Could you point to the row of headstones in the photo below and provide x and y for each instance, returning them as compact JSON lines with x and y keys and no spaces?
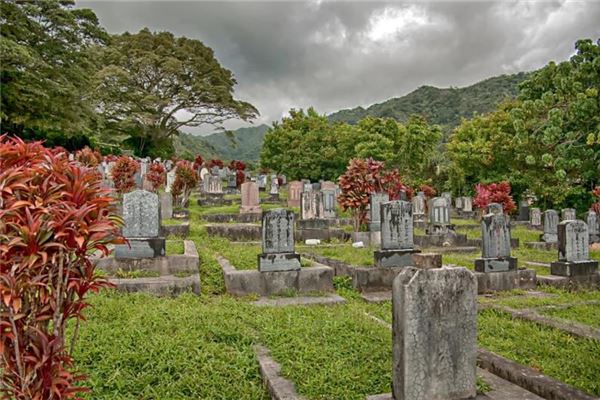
{"x":551,"y":223}
{"x":316,"y":200}
{"x":213,"y":184}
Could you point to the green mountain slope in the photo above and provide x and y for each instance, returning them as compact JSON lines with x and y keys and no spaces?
{"x":440,"y":106}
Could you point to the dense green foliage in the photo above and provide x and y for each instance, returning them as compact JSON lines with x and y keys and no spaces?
{"x":46,"y":70}
{"x":240,"y":144}
{"x":150,"y":80}
{"x":444,"y":107}
{"x":308,"y":145}
{"x":547,"y":141}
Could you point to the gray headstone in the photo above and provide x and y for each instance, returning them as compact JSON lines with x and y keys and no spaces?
{"x":166,"y":206}
{"x":573,"y":241}
{"x":535,"y":216}
{"x":448,"y":197}
{"x":418,"y":206}
{"x":170,"y":180}
{"x":215,"y":185}
{"x":439,"y":211}
{"x":274,"y":185}
{"x":495,"y":235}
{"x":307,"y":187}
{"x":311,"y":205}
{"x":593,"y":226}
{"x":495,"y":208}
{"x":375,"y":201}
{"x":396,"y":225}
{"x":294,"y":193}
{"x":458,"y":203}
{"x":550,"y":226}
{"x":232,"y":180}
{"x":329,"y":202}
{"x":568,"y":214}
{"x":262,"y":181}
{"x":434,"y":334}
{"x":467,"y":204}
{"x":278,"y":231}
{"x":141,"y":214}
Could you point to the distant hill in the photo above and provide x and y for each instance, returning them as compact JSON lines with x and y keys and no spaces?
{"x":445,"y":107}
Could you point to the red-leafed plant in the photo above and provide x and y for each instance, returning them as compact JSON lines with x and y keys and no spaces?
{"x":110,"y":158}
{"x":186,"y":179}
{"x":123,"y":174}
{"x":494,"y":193}
{"x":363,"y":177}
{"x":198,"y":161}
{"x":156,"y":175}
{"x":237,"y":165}
{"x":53,"y":215}
{"x":88,"y":157}
{"x":429,"y":191}
{"x":240,"y":177}
{"x":215,"y":163}
{"x":596,"y":205}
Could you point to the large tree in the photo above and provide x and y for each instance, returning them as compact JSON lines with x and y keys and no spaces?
{"x":154,"y":84}
{"x":46,"y":69}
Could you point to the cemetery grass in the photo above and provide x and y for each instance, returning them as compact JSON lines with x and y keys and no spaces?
{"x":243,"y":255}
{"x":171,"y":222}
{"x":174,"y":247}
{"x":587,"y":314}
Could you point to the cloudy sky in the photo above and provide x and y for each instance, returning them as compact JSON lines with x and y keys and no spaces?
{"x":334,"y":55}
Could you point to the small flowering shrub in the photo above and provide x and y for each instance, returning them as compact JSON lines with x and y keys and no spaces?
{"x":429,"y":191}
{"x":240,"y":177}
{"x":156,"y":175}
{"x":123,"y":174}
{"x":215,"y":163}
{"x":53,"y":215}
{"x":186,"y":179}
{"x":237,"y":165}
{"x":88,"y":157}
{"x":494,"y":193}
{"x":198,"y":161}
{"x":363,"y":177}
{"x":596,"y":205}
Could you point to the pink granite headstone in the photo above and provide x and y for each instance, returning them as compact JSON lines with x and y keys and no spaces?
{"x":294,"y":193}
{"x":250,"y":199}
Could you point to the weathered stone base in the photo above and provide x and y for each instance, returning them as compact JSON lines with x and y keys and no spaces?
{"x":504,"y":281}
{"x":141,"y":248}
{"x":571,"y":283}
{"x":214,"y":199}
{"x":514,"y":243}
{"x":495,"y":264}
{"x":323,"y":234}
{"x":181,"y":214}
{"x":541,"y":245}
{"x":246,"y":282}
{"x":451,"y":238}
{"x":314,"y":224}
{"x":224,"y":218}
{"x":435,"y":229}
{"x":250,"y":210}
{"x":167,"y":265}
{"x":278,"y":262}
{"x":167,"y":285}
{"x":182,"y":230}
{"x":236,"y":232}
{"x":581,"y":268}
{"x":328,"y":299}
{"x":394,"y":258}
{"x":549,"y":237}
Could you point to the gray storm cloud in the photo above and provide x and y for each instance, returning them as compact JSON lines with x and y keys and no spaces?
{"x":334,"y":55}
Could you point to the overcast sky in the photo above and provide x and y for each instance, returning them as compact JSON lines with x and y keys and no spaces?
{"x":334,"y":55}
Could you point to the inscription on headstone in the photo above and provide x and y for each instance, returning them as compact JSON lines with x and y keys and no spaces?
{"x":550,"y":226}
{"x":278,"y":242}
{"x":294,"y":193}
{"x":375,"y":201}
{"x":535,"y":216}
{"x":396,"y":225}
{"x":329,"y":202}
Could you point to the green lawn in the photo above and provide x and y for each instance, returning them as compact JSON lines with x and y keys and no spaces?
{"x":174,"y":247}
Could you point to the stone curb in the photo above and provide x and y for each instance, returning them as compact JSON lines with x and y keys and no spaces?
{"x":279,"y":388}
{"x":328,"y":300}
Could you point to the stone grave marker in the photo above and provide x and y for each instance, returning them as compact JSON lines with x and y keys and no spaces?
{"x":535,"y":217}
{"x":141,"y":214}
{"x":166,"y":206}
{"x":593,"y":226}
{"x":523,"y":210}
{"x":550,"y":234}
{"x":250,"y":198}
{"x":170,"y":180}
{"x":329,"y":202}
{"x":262,"y":182}
{"x":495,"y":208}
{"x":467,"y":204}
{"x":311,"y":205}
{"x":573,"y":250}
{"x":397,"y":243}
{"x":215,"y":186}
{"x":375,"y":200}
{"x":294,"y":193}
{"x":232,"y":180}
{"x":439,"y":217}
{"x":448,"y":197}
{"x":568,"y":214}
{"x":434,"y":337}
{"x":458,"y":203}
{"x":418,"y":206}
{"x":495,"y":241}
{"x":274,"y":190}
{"x":278,"y":242}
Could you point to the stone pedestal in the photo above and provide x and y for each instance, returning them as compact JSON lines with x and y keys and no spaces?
{"x":141,"y":248}
{"x":314,"y":224}
{"x":500,"y":264}
{"x":394,"y":258}
{"x":278,"y":262}
{"x":439,"y":229}
{"x":573,"y":268}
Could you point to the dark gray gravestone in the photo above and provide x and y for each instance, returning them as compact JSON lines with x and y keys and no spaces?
{"x":232,"y":180}
{"x":523,"y":210}
{"x":550,"y":234}
{"x":278,"y":242}
{"x":329,"y":202}
{"x":434,"y":334}
{"x":495,"y":240}
{"x":397,"y":245}
{"x":418,"y":206}
{"x":311,"y":205}
{"x":375,"y":201}
{"x":568,"y":214}
{"x":593,"y":226}
{"x":535,"y":217}
{"x":573,"y":250}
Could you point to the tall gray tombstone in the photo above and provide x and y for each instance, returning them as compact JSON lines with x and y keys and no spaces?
{"x":439,"y":216}
{"x":274,"y":190}
{"x":329,"y":202}
{"x":262,"y":182}
{"x":214,"y":184}
{"x":278,"y":242}
{"x":535,"y":217}
{"x":573,"y":250}
{"x":568,"y":214}
{"x":434,"y":338}
{"x":593,"y":226}
{"x":375,"y":201}
{"x":523,"y":210}
{"x":495,"y":208}
{"x":166,"y":206}
{"x":458,"y":203}
{"x":467,"y":204}
{"x":170,"y":180}
{"x":495,"y":241}
{"x":550,"y":234}
{"x":397,"y":244}
{"x":311,"y":205}
{"x":294,"y":193}
{"x":418,"y":207}
{"x":232,"y":180}
{"x":141,"y":214}
{"x":448,"y":197}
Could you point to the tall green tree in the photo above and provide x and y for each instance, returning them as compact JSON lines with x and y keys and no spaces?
{"x":154,"y":84}
{"x":46,"y":68}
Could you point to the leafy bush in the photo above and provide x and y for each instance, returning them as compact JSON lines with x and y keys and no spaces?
{"x":54,"y":213}
{"x":596,"y":205}
{"x":198,"y":161}
{"x":215,"y":163}
{"x":237,"y":165}
{"x":88,"y":157}
{"x":494,"y":193}
{"x":186,"y":180}
{"x":156,"y":175}
{"x":429,"y":191}
{"x":123,"y":174}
